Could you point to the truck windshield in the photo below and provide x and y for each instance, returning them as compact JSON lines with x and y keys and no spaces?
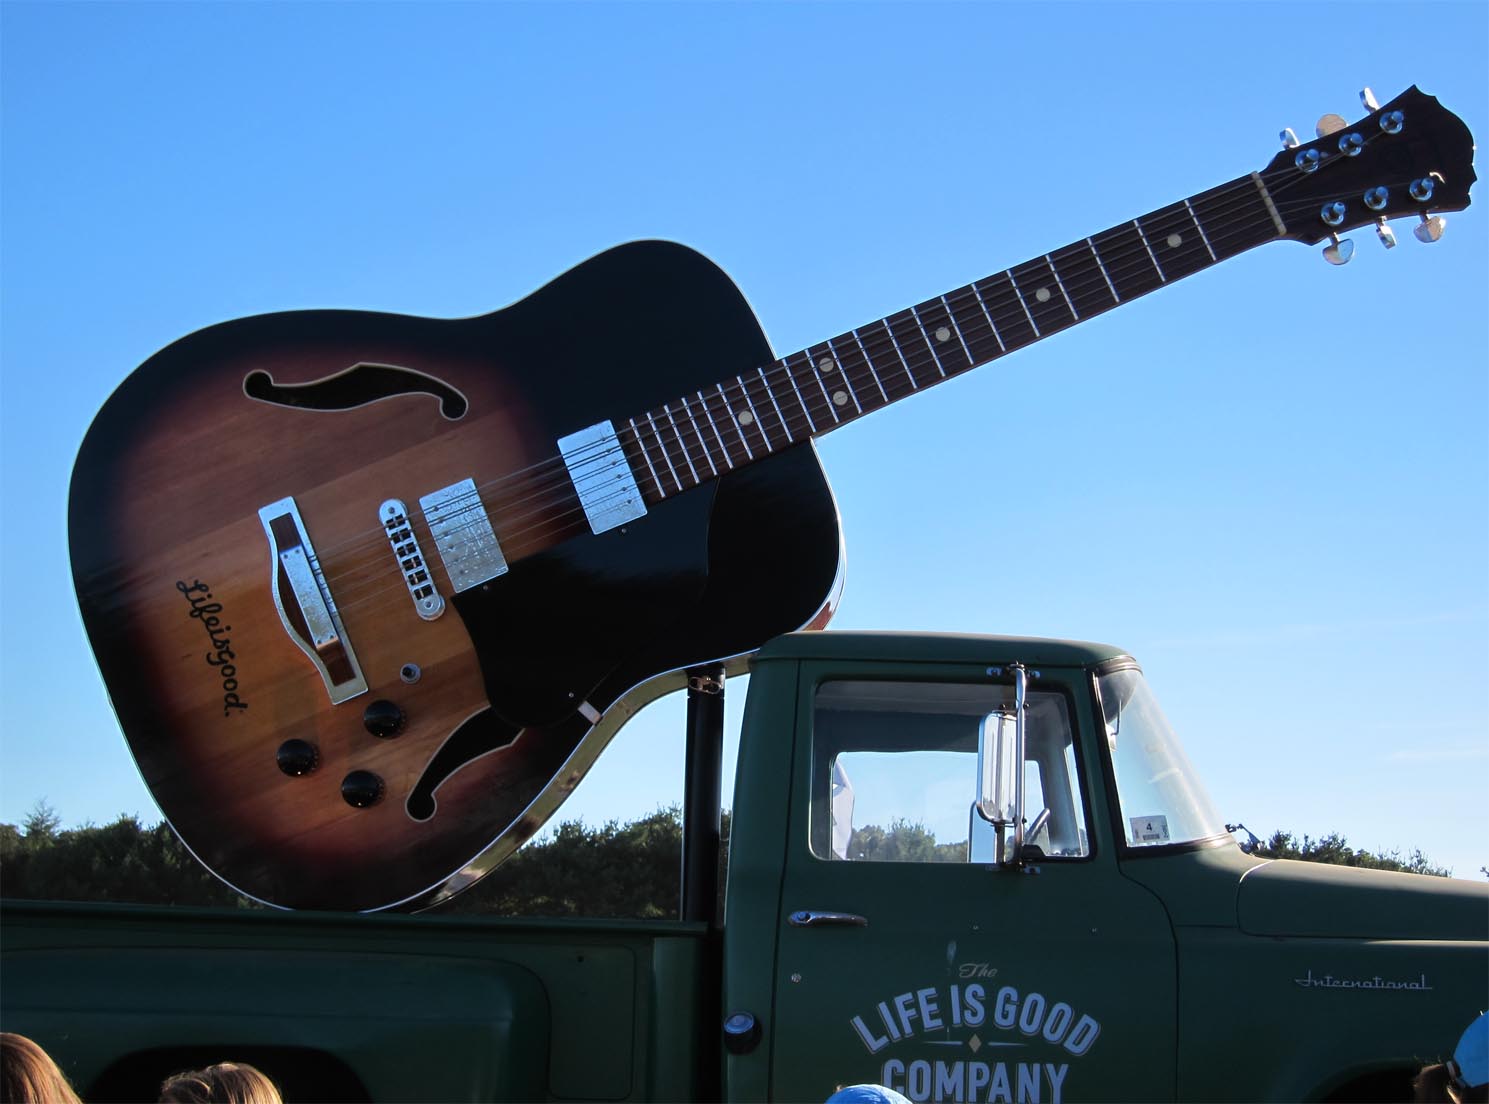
{"x":1161,"y":796}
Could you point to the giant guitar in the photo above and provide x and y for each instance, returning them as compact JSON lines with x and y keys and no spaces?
{"x":371,"y":592}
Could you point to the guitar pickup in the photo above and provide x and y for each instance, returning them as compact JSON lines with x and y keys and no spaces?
{"x":304,"y":602}
{"x":427,"y":601}
{"x":462,"y":532}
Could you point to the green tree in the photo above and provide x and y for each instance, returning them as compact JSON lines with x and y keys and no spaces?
{"x":1335,"y":849}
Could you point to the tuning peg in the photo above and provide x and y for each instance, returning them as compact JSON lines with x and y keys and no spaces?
{"x":1329,"y":124}
{"x":1386,"y":235}
{"x":1289,"y":139}
{"x":1340,"y":251}
{"x":1431,"y":227}
{"x":1367,"y":98}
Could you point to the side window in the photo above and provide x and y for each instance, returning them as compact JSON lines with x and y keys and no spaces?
{"x":895,"y":772}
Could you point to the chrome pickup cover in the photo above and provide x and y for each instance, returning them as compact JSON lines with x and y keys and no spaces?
{"x":462,"y":533}
{"x":602,"y":477}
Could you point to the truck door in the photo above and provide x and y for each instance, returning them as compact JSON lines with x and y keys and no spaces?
{"x":907,"y":957}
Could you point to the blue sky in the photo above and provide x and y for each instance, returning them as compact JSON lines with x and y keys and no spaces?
{"x":1270,"y":483}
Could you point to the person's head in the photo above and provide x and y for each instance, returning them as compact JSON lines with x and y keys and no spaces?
{"x":29,"y":1076}
{"x":1463,"y":1078}
{"x":224,"y":1083}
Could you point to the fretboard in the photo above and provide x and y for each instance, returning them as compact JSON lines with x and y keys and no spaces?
{"x":695,"y":438}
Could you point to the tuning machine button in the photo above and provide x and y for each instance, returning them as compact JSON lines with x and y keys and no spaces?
{"x":1430,"y":228}
{"x":361,"y":789}
{"x":1329,"y":124}
{"x":297,"y":757}
{"x":1288,"y":139}
{"x":383,"y":719}
{"x":1340,"y":251}
{"x":1367,"y":98}
{"x":1384,"y":232}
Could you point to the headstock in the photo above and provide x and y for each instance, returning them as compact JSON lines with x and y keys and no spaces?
{"x":1410,"y":157}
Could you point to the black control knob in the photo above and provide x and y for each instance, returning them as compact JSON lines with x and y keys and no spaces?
{"x":297,"y":757}
{"x":383,"y":719}
{"x":361,"y":789}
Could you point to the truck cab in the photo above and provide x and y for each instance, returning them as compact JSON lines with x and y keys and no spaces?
{"x":1125,"y":948}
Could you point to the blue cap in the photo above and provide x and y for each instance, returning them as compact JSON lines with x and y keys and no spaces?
{"x":866,"y":1094}
{"x":1471,"y":1056}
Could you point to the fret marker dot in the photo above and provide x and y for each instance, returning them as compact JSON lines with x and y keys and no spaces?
{"x":1043,"y":295}
{"x":943,"y":334}
{"x":746,"y":419}
{"x":1175,"y":240}
{"x":840,"y":398}
{"x":826,"y":364}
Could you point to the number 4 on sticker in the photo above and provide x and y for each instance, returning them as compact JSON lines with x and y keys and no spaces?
{"x":1149,"y":829}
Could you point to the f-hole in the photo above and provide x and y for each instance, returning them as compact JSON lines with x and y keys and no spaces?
{"x":355,"y":386}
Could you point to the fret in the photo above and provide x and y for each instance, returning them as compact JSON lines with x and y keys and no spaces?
{"x":733,"y":420}
{"x":662,"y":448}
{"x":1126,"y":261}
{"x":698,"y":435}
{"x":809,"y":393}
{"x":1084,"y":284}
{"x":682,"y":443}
{"x":1236,"y":217}
{"x":960,"y":336}
{"x":715,"y":427}
{"x":1013,"y":321}
{"x":1175,"y":243}
{"x":770,"y":392}
{"x":899,"y":353}
{"x":973,"y":325}
{"x":993,"y":326}
{"x":929,"y":343}
{"x":833,"y":375}
{"x":1095,"y":256}
{"x":641,"y":448}
{"x":1147,"y":245}
{"x":1203,"y":236}
{"x":749,"y":418}
{"x":1042,"y":298}
{"x":869,"y":361}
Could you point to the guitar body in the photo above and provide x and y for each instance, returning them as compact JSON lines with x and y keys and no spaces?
{"x":499,"y":705}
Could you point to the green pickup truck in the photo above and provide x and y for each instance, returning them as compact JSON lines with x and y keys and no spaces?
{"x":966,"y":867}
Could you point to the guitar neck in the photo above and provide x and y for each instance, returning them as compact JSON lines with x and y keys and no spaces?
{"x":695,"y":438}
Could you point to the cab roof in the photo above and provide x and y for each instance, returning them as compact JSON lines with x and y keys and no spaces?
{"x":932,"y":647}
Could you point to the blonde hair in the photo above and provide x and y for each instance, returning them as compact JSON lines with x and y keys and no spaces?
{"x":224,"y":1083}
{"x":29,"y":1076}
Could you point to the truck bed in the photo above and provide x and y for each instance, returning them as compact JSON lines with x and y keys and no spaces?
{"x":398,"y":1007}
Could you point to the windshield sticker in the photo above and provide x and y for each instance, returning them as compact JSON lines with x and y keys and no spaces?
{"x":1149,"y":829}
{"x":983,"y":1023}
{"x":1329,"y":981}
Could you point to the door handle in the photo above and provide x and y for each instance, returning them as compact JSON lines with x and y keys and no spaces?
{"x":821,"y":918}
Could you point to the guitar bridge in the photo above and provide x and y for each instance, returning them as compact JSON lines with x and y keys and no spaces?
{"x":304,"y":602}
{"x":427,"y":601}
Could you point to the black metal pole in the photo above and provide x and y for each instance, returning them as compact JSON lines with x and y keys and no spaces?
{"x":701,"y":800}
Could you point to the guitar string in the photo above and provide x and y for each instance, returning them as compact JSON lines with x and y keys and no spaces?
{"x":879,"y":345}
{"x":1214,"y":227}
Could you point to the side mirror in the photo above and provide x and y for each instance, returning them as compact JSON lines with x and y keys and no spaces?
{"x":1000,"y":769}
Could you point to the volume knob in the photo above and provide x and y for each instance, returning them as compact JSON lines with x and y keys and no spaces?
{"x":383,"y":719}
{"x":361,"y":788}
{"x":297,"y":757}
